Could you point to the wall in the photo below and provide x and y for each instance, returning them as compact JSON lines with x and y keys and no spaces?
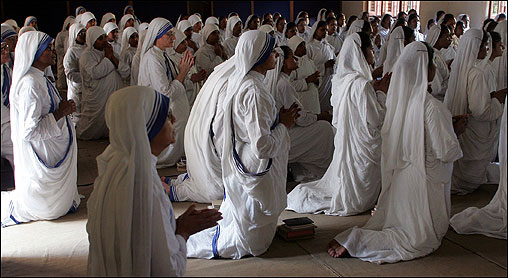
{"x":350,"y":8}
{"x":475,"y":9}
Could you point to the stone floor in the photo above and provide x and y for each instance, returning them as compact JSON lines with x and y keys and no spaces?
{"x":60,"y":247}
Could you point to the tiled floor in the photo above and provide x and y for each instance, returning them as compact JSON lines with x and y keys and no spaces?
{"x":60,"y":248}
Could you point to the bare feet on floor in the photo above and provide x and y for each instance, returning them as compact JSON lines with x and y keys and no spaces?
{"x":336,"y":250}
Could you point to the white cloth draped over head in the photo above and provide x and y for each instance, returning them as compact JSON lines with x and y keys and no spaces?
{"x":137,"y":57}
{"x":294,"y":42}
{"x":126,"y":8}
{"x":433,"y":35}
{"x":158,"y":27}
{"x":25,"y":29}
{"x":69,"y":20}
{"x":8,"y":31}
{"x":13,"y":24}
{"x":143,"y":26}
{"x":124,"y":20}
{"x":355,"y":27}
{"x":79,"y":9}
{"x":321,"y":16}
{"x":232,"y":21}
{"x":92,"y":34}
{"x":299,"y":15}
{"x":184,"y":25}
{"x":110,"y":26}
{"x":394,"y":48}
{"x":212,"y":20}
{"x":73,"y":33}
{"x":207,"y":31}
{"x":467,"y":53}
{"x":179,"y":38}
{"x":491,"y":219}
{"x":403,"y":129}
{"x":500,"y":63}
{"x":267,"y":28}
{"x":126,"y":35}
{"x":125,"y":191}
{"x":246,"y":27}
{"x":86,"y":17}
{"x":193,"y":19}
{"x":29,"y":19}
{"x":106,"y":18}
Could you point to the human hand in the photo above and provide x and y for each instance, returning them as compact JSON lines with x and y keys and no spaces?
{"x":312,"y":78}
{"x":377,"y":72}
{"x":193,"y":221}
{"x":199,"y":76}
{"x":500,"y":95}
{"x":66,"y":107}
{"x":108,"y":51}
{"x":459,"y":123}
{"x":383,"y":84}
{"x":166,"y":186}
{"x":186,"y":62}
{"x":288,"y":117}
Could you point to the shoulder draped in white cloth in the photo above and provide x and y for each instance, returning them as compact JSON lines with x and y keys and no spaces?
{"x":393,"y":49}
{"x":131,"y":223}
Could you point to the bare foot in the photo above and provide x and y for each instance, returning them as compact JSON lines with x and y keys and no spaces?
{"x":336,"y":250}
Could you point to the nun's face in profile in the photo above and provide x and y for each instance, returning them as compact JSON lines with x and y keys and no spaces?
{"x":48,"y":56}
{"x":237,"y":29}
{"x":197,"y":27}
{"x":33,"y":24}
{"x":133,"y":40}
{"x":271,"y":62}
{"x":165,"y":137}
{"x":129,"y":23}
{"x":254,"y":23}
{"x":91,"y":23}
{"x":81,"y":38}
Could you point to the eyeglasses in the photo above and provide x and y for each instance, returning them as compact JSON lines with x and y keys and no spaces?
{"x":5,"y":46}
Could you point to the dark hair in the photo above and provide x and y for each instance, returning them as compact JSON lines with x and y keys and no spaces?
{"x":375,"y":19}
{"x":501,"y":15}
{"x":321,"y":24}
{"x":485,"y":37}
{"x":496,"y":37}
{"x":459,"y":23}
{"x":411,"y":17}
{"x":266,"y":15}
{"x":439,"y":14}
{"x":350,"y":21}
{"x":399,"y":22}
{"x":443,"y":30}
{"x":328,"y":11}
{"x":385,"y":16}
{"x":411,"y":11}
{"x":221,"y":18}
{"x":279,"y":19}
{"x":366,"y":26}
{"x":266,"y":21}
{"x":430,"y":21}
{"x":408,"y":32}
{"x":430,"y":52}
{"x":492,"y":24}
{"x":300,"y":19}
{"x":447,"y":17}
{"x":286,"y":51}
{"x":401,"y":15}
{"x":365,"y":13}
{"x":329,"y":19}
{"x":290,"y":25}
{"x":340,"y":15}
{"x":276,"y":13}
{"x":365,"y":40}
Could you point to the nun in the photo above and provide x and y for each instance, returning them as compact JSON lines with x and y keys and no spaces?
{"x":186,"y":27}
{"x":6,"y":87}
{"x":253,"y":154}
{"x":98,"y":68}
{"x":418,"y":148}
{"x":137,"y":57}
{"x":44,"y":141}
{"x":77,"y":44}
{"x":439,"y":37}
{"x":87,"y":19}
{"x":61,"y":45}
{"x":233,"y":32}
{"x":252,"y":23}
{"x":129,"y":46}
{"x":399,"y":38}
{"x":211,"y":53}
{"x":157,"y":71}
{"x":128,"y":195}
{"x":111,"y":30}
{"x":352,"y":183}
{"x":130,"y":10}
{"x":108,"y":17}
{"x":332,"y":36}
{"x":31,"y":21}
{"x":197,"y":25}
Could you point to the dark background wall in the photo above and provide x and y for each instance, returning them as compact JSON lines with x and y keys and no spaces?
{"x":51,"y":14}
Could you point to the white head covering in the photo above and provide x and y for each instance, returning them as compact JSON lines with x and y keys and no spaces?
{"x":31,"y":46}
{"x":267,"y":28}
{"x":403,"y":130}
{"x":73,"y":33}
{"x":394,"y":48}
{"x":272,"y":76}
{"x":8,"y":31}
{"x":231,"y":14}
{"x":143,"y":26}
{"x":184,"y":25}
{"x":107,"y":17}
{"x":355,"y":27}
{"x":193,"y":19}
{"x":212,"y":20}
{"x":25,"y":29}
{"x":246,"y":27}
{"x":179,"y":38}
{"x":501,"y":62}
{"x":460,"y":17}
{"x":84,"y":18}
{"x":294,"y":42}
{"x":13,"y":24}
{"x":79,"y":9}
{"x":126,"y":8}
{"x":299,"y":15}
{"x":123,"y":194}
{"x":124,"y":20}
{"x":68,"y":20}
{"x":29,"y":19}
{"x":126,"y":35}
{"x":232,"y":21}
{"x":433,"y":35}
{"x":110,"y":26}
{"x":465,"y":59}
{"x":207,"y":31}
{"x":321,"y":15}
{"x":158,"y":27}
{"x":92,"y":34}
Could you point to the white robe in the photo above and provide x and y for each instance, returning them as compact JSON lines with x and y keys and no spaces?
{"x":479,"y":141}
{"x":100,"y":79}
{"x":279,"y":38}
{"x":412,"y":216}
{"x":124,"y":65}
{"x":440,"y":83}
{"x":229,"y":45}
{"x":491,"y":219}
{"x":60,"y":47}
{"x":313,"y":153}
{"x":191,"y":88}
{"x":252,"y":204}
{"x":73,"y":76}
{"x":135,"y":68}
{"x":6,"y":122}
{"x":336,"y":41}
{"x":196,"y":38}
{"x":45,"y":151}
{"x":352,"y":183}
{"x":307,"y":93}
{"x":153,"y":73}
{"x":207,"y":59}
{"x":320,"y":52}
